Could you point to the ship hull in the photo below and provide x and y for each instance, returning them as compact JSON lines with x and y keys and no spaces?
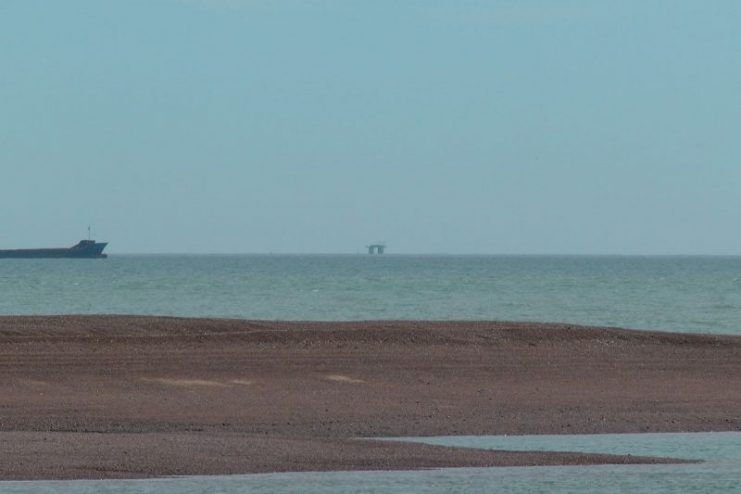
{"x":85,"y":249}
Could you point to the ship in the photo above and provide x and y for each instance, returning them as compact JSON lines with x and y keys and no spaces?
{"x":84,"y":249}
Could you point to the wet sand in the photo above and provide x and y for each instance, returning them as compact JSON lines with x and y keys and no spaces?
{"x":125,"y":396}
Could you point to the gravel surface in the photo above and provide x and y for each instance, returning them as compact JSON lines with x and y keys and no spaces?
{"x":128,"y":396}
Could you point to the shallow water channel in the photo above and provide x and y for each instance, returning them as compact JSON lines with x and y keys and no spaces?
{"x":719,"y":472}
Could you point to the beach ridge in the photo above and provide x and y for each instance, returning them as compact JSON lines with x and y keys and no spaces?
{"x":141,"y":396}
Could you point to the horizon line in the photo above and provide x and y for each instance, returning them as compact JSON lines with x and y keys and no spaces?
{"x":393,"y":254}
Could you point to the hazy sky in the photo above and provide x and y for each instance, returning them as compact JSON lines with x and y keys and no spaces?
{"x":320,"y":126}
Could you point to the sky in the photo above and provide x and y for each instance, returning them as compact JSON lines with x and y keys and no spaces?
{"x":319,"y":126}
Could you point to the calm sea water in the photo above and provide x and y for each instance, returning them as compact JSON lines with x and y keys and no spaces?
{"x":700,"y":294}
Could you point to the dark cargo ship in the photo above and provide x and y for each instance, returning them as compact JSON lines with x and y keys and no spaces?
{"x":84,"y":249}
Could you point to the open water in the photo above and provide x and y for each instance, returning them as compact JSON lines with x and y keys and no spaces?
{"x":699,"y":294}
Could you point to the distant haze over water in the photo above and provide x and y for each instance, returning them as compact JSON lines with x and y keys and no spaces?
{"x":699,"y":294}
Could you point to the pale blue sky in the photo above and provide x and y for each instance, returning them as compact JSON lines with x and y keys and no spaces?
{"x":564,"y":127}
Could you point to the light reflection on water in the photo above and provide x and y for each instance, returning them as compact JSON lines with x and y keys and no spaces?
{"x":721,"y":472}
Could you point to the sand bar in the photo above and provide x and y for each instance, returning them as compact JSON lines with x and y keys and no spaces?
{"x":125,"y":396}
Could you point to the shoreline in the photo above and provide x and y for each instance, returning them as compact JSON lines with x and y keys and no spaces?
{"x":140,"y":396}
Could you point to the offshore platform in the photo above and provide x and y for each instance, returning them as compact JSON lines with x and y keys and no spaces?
{"x":376,"y":248}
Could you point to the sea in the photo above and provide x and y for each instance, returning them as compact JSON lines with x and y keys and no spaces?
{"x":688,"y":294}
{"x":666,"y":293}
